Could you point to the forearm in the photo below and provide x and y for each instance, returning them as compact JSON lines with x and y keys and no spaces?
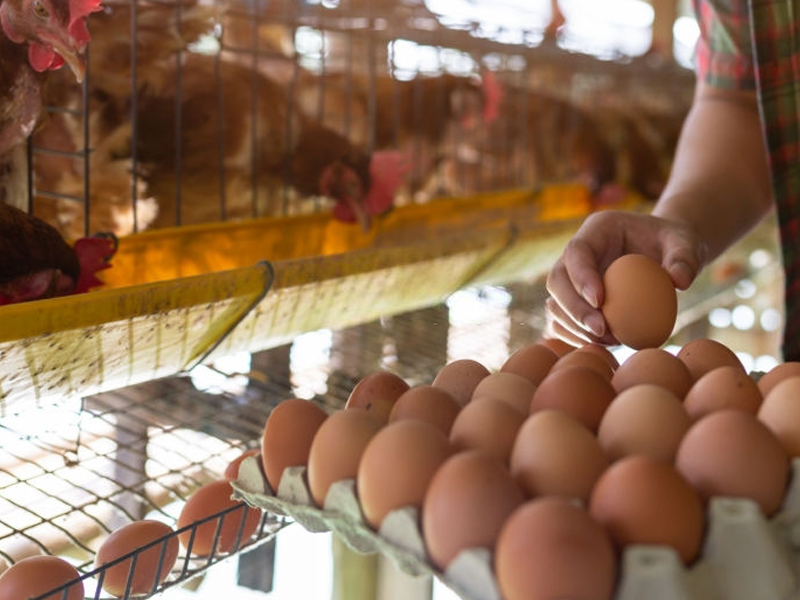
{"x":719,"y":184}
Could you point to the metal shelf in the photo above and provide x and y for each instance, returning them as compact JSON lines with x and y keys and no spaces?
{"x":75,"y":470}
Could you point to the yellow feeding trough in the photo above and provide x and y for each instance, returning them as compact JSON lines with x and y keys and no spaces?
{"x":177,"y":297}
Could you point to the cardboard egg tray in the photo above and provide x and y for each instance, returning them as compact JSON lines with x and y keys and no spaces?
{"x":745,"y":555}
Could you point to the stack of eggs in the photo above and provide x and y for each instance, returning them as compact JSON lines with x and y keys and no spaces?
{"x":558,"y":461}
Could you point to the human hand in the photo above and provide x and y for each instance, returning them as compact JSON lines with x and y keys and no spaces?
{"x":575,"y":283}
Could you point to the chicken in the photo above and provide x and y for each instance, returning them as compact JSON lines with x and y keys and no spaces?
{"x":240,"y":159}
{"x":425,"y":117}
{"x":36,"y":36}
{"x":539,"y":139}
{"x":61,"y":185}
{"x":37,"y":263}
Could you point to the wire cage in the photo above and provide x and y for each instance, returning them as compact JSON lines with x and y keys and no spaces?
{"x":195,"y":111}
{"x":74,"y":472}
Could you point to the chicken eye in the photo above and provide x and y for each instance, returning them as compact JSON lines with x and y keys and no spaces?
{"x":40,"y":10}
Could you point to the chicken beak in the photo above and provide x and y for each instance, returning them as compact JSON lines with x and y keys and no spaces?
{"x":75,"y":60}
{"x":362,"y":216}
{"x":71,"y":52}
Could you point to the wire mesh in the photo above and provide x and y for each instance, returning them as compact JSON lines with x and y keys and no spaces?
{"x":73,"y":472}
{"x":204,"y":110}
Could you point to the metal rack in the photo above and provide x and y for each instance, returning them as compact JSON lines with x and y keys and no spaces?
{"x":74,"y":471}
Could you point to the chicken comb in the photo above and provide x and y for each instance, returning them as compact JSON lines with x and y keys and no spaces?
{"x":387,"y":169}
{"x":94,"y":254}
{"x":492,"y":95}
{"x":78,"y":11}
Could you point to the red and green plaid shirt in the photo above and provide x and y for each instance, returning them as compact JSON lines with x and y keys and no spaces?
{"x":755,"y":44}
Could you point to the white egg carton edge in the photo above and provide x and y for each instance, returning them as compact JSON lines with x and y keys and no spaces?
{"x":745,"y":555}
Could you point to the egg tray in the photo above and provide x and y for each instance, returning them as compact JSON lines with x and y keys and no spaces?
{"x":745,"y":555}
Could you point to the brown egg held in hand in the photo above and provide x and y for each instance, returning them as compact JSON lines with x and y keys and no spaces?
{"x":640,"y":304}
{"x":515,"y":390}
{"x":337,"y":449}
{"x":731,"y":453}
{"x":532,"y":362}
{"x":644,"y":419}
{"x":556,"y":455}
{"x":724,"y":387}
{"x":31,"y":577}
{"x":580,"y":391}
{"x":656,"y":366}
{"x":146,"y":575}
{"x":641,"y":500}
{"x":397,"y":466}
{"x":287,"y":437}
{"x":376,"y":393}
{"x":207,"y":501}
{"x":702,"y":355}
{"x":780,"y":412}
{"x":459,"y":378}
{"x":550,"y":549}
{"x":426,"y":403}
{"x":487,"y":425}
{"x":468,"y":500}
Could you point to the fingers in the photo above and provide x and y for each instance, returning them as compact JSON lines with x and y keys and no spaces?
{"x":575,"y":282}
{"x":683,"y":256}
{"x":565,"y":327}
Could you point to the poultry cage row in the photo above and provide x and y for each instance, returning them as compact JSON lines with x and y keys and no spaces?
{"x":273,"y":168}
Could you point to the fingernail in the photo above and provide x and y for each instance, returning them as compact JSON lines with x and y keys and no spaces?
{"x":595,"y":324}
{"x":681,"y":273}
{"x":591,"y":297}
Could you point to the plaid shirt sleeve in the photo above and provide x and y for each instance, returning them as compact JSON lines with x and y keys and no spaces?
{"x":724,"y":55}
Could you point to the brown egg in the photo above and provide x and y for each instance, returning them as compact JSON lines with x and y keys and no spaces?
{"x":376,"y":393}
{"x":656,"y":366}
{"x":644,"y":419}
{"x":459,"y":378}
{"x":515,"y":390}
{"x":580,"y":391}
{"x":703,"y":355}
{"x":731,"y":453}
{"x":232,"y":470}
{"x":641,"y":303}
{"x":206,"y":502}
{"x":31,"y":577}
{"x":427,"y":403}
{"x":780,"y":412}
{"x":468,"y":500}
{"x":642,"y":500}
{"x":550,"y":549}
{"x":397,"y":466}
{"x":532,"y":362}
{"x":290,"y":428}
{"x":603,"y":353}
{"x":584,"y":358}
{"x":554,"y":454}
{"x":777,"y":374}
{"x":146,"y":575}
{"x":723,"y":387}
{"x":560,"y":347}
{"x":337,"y":449}
{"x":487,"y":425}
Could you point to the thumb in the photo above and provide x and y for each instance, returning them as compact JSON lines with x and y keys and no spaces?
{"x":683,"y":266}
